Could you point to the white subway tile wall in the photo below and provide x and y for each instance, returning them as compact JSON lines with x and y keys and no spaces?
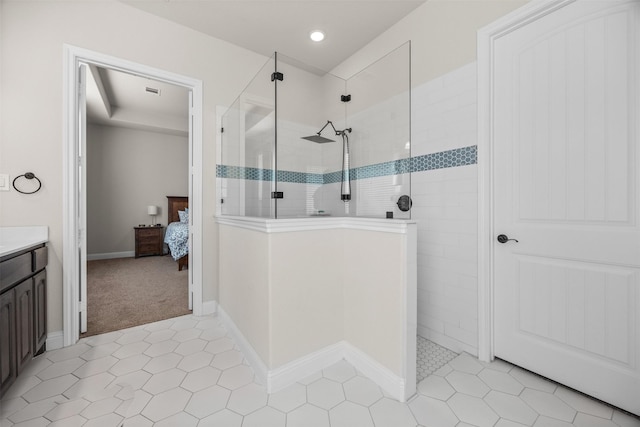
{"x":445,"y":207}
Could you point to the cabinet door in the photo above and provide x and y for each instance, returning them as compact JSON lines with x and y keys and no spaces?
{"x":24,"y":323}
{"x":39,"y":311}
{"x":8,"y":371}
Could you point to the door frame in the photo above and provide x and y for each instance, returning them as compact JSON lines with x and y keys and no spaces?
{"x":487,"y":37}
{"x":70,"y":273}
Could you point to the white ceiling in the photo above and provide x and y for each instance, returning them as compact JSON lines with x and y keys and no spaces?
{"x":115,"y":98}
{"x":262,"y":26}
{"x":267,"y":26}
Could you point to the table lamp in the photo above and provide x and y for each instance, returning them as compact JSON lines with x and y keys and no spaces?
{"x":153,"y":211}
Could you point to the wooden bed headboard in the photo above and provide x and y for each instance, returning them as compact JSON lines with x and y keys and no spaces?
{"x":175,"y":204}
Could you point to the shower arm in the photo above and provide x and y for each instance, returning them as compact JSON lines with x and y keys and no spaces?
{"x":338,"y":132}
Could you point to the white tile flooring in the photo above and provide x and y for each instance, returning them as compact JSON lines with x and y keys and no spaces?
{"x":188,"y":372}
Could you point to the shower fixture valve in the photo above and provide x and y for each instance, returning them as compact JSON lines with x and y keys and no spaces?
{"x":404,"y":203}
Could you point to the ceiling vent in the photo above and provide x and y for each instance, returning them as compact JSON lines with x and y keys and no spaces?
{"x":152,"y":90}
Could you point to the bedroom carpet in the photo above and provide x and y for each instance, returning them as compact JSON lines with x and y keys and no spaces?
{"x":127,"y":292}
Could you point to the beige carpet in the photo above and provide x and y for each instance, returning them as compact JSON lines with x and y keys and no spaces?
{"x":127,"y":292}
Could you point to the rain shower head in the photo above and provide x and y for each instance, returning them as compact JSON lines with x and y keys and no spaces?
{"x":321,"y":139}
{"x":318,"y":139}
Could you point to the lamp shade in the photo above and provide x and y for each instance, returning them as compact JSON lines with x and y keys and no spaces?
{"x":152,"y":210}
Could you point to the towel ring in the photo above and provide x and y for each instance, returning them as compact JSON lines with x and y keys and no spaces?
{"x":29,"y":176}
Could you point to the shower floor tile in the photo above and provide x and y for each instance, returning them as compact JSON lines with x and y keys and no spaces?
{"x":431,"y":357}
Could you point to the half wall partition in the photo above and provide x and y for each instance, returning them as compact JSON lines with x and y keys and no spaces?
{"x":299,"y":142}
{"x":311,"y":271}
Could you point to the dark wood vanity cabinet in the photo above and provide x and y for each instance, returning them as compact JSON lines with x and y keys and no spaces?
{"x":8,"y":372}
{"x":23,"y":311}
{"x":40,"y":311}
{"x":24,"y":324}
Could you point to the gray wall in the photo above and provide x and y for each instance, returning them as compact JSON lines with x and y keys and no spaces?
{"x":128,"y":170}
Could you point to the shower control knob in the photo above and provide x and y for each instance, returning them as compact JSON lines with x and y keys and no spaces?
{"x":404,"y":203}
{"x":503,"y":238}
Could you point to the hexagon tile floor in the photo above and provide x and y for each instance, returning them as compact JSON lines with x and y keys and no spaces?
{"x":188,"y":372}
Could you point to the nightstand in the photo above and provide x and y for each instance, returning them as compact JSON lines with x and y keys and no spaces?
{"x":149,"y":241}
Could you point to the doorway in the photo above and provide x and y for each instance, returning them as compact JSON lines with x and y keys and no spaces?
{"x":136,"y":154}
{"x":74,"y":216}
{"x":561,"y":283}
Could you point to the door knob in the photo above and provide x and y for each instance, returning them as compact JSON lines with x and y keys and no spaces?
{"x":503,"y":238}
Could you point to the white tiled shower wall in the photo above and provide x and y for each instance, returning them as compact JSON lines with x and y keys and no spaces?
{"x":380,"y":134}
{"x":445,"y":207}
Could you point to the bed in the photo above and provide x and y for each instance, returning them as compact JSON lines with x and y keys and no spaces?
{"x":177,"y":234}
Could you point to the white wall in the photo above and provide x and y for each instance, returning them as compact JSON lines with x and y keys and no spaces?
{"x":374,"y":291}
{"x":244,"y":290}
{"x":442,"y":34}
{"x":128,"y":170}
{"x":31,"y":40}
{"x":306,"y":284}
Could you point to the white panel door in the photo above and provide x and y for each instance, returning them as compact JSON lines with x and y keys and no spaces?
{"x":566,"y":157}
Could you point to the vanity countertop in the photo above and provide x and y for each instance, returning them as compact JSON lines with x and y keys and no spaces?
{"x":14,"y":239}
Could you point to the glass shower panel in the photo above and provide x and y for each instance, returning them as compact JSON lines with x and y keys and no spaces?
{"x":379,"y":113}
{"x":247,"y":167}
{"x":307,"y":99}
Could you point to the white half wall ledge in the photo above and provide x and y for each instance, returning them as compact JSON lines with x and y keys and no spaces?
{"x":284,"y":225}
{"x":283,"y":376}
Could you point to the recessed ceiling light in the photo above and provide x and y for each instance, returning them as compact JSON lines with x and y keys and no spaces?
{"x":316,"y":36}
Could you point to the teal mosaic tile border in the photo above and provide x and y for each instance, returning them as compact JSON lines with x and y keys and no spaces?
{"x":240,"y":172}
{"x":301,"y":177}
{"x":445,"y":159}
{"x":256,"y":174}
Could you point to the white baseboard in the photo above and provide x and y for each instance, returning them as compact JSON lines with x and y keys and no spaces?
{"x":55,"y":340}
{"x":209,"y":307}
{"x":259,"y":367}
{"x":285,"y":375}
{"x":299,"y":369}
{"x":111,"y":255}
{"x":383,"y":377}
